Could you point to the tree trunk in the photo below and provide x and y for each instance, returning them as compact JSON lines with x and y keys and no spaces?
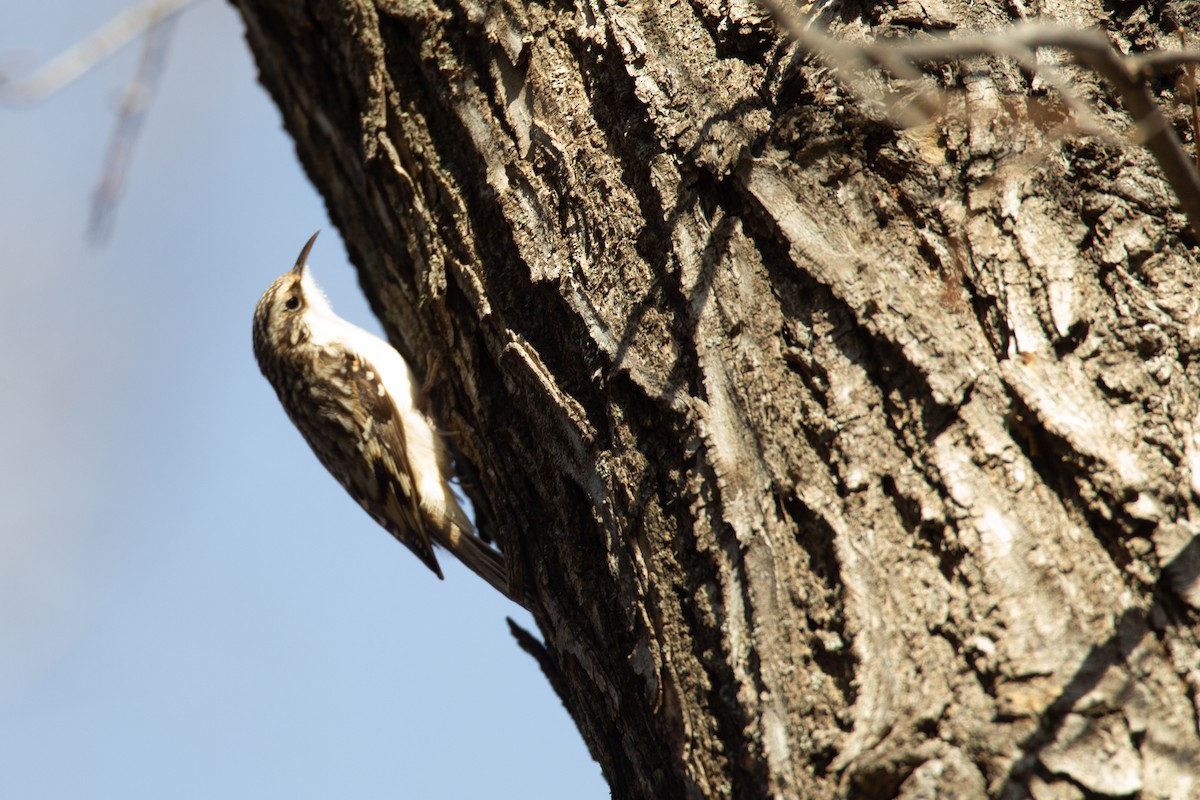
{"x":835,"y":458}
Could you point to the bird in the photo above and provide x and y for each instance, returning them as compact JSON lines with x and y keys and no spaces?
{"x":354,"y":399}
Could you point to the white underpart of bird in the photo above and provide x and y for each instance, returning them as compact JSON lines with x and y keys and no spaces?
{"x":426,"y":454}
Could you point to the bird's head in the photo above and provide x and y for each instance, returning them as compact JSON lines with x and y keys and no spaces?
{"x":284,"y":315}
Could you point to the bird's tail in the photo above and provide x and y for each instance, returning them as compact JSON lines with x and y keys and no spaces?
{"x":481,"y":559}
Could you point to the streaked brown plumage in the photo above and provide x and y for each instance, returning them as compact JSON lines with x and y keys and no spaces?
{"x":352,"y":397}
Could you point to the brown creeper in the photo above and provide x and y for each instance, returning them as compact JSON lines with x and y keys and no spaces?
{"x":352,"y":397}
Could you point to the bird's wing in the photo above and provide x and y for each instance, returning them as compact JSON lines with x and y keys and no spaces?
{"x":363,"y":438}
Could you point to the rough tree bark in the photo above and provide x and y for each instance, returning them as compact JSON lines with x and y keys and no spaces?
{"x":839,"y":459}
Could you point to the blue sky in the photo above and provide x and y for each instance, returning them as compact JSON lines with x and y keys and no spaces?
{"x":190,"y":607}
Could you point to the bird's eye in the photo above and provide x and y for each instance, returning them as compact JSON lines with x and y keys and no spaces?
{"x":292,"y":303}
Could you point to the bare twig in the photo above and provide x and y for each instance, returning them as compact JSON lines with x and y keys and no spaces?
{"x":1191,"y":84}
{"x":134,"y":102}
{"x":1157,"y":61}
{"x":1091,"y":49}
{"x":154,"y":19}
{"x":853,"y":64}
{"x":81,"y":57}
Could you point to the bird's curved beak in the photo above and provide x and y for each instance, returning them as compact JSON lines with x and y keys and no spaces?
{"x":302,"y":261}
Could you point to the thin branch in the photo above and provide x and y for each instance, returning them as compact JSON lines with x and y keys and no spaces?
{"x":134,"y":102}
{"x":156,"y":20}
{"x":1089,"y":48}
{"x":83,"y":56}
{"x":1190,"y":72}
{"x":1093,"y":50}
{"x":1157,"y":61}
